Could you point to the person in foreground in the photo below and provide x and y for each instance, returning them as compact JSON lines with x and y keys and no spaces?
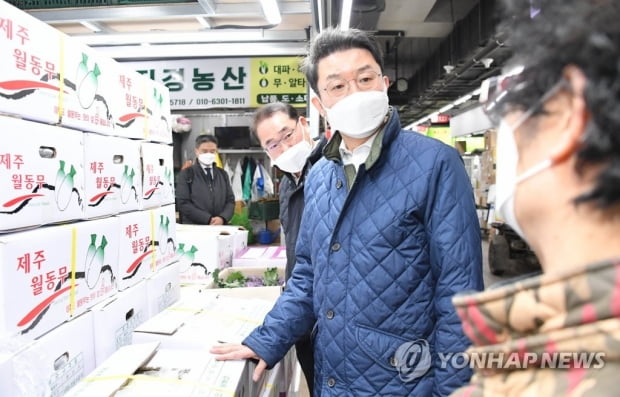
{"x":389,"y":234}
{"x":285,"y":136}
{"x":203,"y":193}
{"x":558,"y":175}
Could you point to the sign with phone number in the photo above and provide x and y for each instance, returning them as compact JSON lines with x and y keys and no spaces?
{"x":228,"y":82}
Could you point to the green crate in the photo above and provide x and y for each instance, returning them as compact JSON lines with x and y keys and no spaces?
{"x":264,"y":210}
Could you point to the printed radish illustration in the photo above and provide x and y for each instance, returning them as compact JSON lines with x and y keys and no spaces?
{"x":82,"y":70}
{"x":162,"y":235}
{"x":186,"y":258}
{"x":87,"y":88}
{"x":127,"y":184}
{"x":60,"y":174}
{"x":91,"y":273}
{"x":65,"y":189}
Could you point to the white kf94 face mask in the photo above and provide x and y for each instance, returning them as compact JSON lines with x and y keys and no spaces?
{"x":206,"y":159}
{"x":359,"y":114}
{"x":294,"y":159}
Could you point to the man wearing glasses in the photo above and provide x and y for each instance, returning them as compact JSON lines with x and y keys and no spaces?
{"x":286,"y":138}
{"x":388,"y":236}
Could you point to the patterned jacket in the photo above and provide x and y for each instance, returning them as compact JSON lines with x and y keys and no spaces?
{"x":546,"y":336}
{"x":377,"y":267}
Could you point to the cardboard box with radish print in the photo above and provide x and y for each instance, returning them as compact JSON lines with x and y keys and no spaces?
{"x":41,"y":175}
{"x":35,"y":269}
{"x":111,"y":175}
{"x":201,"y":250}
{"x":136,"y":257}
{"x":53,"y":273}
{"x":116,"y":318}
{"x":53,"y":364}
{"x":94,"y":278}
{"x":163,"y":288}
{"x":140,"y":253}
{"x":30,"y":52}
{"x":165,"y":237}
{"x":159,"y":124}
{"x":128,"y":102}
{"x":157,"y":175}
{"x":87,"y":92}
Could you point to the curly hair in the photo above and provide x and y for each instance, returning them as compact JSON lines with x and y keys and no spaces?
{"x":333,"y":40}
{"x":546,"y":36}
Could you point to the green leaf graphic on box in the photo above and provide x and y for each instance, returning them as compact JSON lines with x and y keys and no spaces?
{"x":87,"y":88}
{"x":60,"y":174}
{"x":82,"y":70}
{"x":64,"y":191}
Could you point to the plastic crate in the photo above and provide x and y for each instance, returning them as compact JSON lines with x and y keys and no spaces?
{"x":264,"y":210}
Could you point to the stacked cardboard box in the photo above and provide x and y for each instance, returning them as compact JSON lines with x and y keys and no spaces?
{"x":86,"y":206}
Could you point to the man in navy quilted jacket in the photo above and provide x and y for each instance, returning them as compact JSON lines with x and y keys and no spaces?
{"x":389,"y":234}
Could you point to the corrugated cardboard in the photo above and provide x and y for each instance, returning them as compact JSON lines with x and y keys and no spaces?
{"x":116,"y":318}
{"x":149,"y":370}
{"x":41,"y":175}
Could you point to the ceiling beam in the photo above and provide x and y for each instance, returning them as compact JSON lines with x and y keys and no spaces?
{"x":133,"y":13}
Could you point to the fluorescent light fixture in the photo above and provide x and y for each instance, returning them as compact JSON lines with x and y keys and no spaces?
{"x":463,"y":99}
{"x":92,"y":26}
{"x":446,"y":108}
{"x":271,"y":11}
{"x":203,"y":22}
{"x":345,"y":14}
{"x":171,"y":37}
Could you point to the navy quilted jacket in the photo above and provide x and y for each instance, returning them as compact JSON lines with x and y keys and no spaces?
{"x":377,"y":267}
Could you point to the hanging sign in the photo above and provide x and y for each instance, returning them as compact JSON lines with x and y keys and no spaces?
{"x":228,"y":82}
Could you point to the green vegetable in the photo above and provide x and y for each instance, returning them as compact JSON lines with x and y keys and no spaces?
{"x":237,"y":279}
{"x":233,"y":280}
{"x":270,"y":277}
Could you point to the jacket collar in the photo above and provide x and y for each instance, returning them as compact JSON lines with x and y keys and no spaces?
{"x":385,"y":137}
{"x":529,"y":314}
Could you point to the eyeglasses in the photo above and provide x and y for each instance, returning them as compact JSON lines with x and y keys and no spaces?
{"x":287,"y":138}
{"x":497,"y":94}
{"x":494,"y":90}
{"x":366,"y":80}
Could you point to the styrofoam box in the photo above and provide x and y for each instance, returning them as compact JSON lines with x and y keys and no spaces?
{"x":157,"y":175}
{"x":112,"y":172}
{"x":116,"y":318}
{"x":87,"y":90}
{"x":30,"y":50}
{"x":52,"y":273}
{"x":140,"y":253}
{"x":159,"y":120}
{"x":41,"y":174}
{"x":202,"y":249}
{"x":194,"y":373}
{"x":163,"y":289}
{"x":53,"y":364}
{"x":261,"y":256}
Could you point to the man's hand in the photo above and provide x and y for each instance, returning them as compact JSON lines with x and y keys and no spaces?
{"x":232,"y":351}
{"x":216,"y":220}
